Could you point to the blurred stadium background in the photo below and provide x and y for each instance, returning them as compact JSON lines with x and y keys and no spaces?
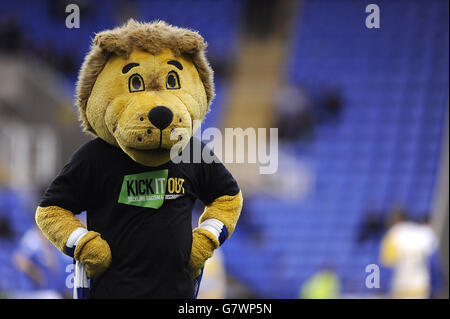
{"x":363,"y":136}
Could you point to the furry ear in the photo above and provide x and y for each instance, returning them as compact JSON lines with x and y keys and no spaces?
{"x":192,"y":43}
{"x":111,"y":42}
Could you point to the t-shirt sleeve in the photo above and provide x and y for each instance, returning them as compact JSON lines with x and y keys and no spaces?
{"x":214,"y":181}
{"x":70,"y":189}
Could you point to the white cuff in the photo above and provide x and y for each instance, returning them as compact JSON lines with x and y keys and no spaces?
{"x":217,"y":228}
{"x":74,"y":239}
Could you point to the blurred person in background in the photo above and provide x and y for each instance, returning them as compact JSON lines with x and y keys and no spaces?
{"x":6,"y":227}
{"x":300,"y":111}
{"x":44,"y":265}
{"x":409,"y":249}
{"x":324,"y":284}
{"x":329,"y":104}
{"x":437,"y":276}
{"x":11,"y":35}
{"x":295,"y":115}
{"x":372,"y":227}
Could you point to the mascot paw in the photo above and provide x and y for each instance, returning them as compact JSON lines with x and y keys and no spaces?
{"x":203,"y":245}
{"x":94,"y":253}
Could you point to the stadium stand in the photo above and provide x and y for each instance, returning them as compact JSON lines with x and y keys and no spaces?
{"x":383,"y":150}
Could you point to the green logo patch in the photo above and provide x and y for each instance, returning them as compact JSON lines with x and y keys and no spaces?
{"x":144,"y":189}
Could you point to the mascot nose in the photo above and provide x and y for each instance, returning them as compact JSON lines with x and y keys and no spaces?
{"x":160,"y":116}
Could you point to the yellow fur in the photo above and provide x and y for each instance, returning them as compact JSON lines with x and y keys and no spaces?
{"x":115,"y":114}
{"x":149,"y":37}
{"x":203,"y":246}
{"x":226,"y":209}
{"x":94,"y":253}
{"x":57,"y":224}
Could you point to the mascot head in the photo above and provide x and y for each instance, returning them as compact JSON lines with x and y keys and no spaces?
{"x":141,"y":87}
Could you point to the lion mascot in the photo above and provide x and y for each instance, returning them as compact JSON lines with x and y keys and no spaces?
{"x":140,"y":90}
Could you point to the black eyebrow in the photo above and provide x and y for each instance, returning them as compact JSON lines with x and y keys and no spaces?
{"x":176,"y":63}
{"x":128,"y":67}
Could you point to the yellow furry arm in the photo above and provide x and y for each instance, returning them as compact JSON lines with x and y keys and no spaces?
{"x":70,"y":236}
{"x":57,"y":224}
{"x":216,"y":224}
{"x":226,"y":209}
{"x":202,"y":249}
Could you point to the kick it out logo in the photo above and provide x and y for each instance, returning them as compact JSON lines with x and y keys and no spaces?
{"x":149,"y":189}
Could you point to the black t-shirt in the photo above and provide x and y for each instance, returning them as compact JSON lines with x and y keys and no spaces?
{"x":144,"y":213}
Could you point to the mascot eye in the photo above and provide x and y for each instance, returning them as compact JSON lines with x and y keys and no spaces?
{"x":136,"y":83}
{"x":172,"y":82}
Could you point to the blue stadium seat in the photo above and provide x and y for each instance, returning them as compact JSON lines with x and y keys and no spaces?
{"x":384,"y":150}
